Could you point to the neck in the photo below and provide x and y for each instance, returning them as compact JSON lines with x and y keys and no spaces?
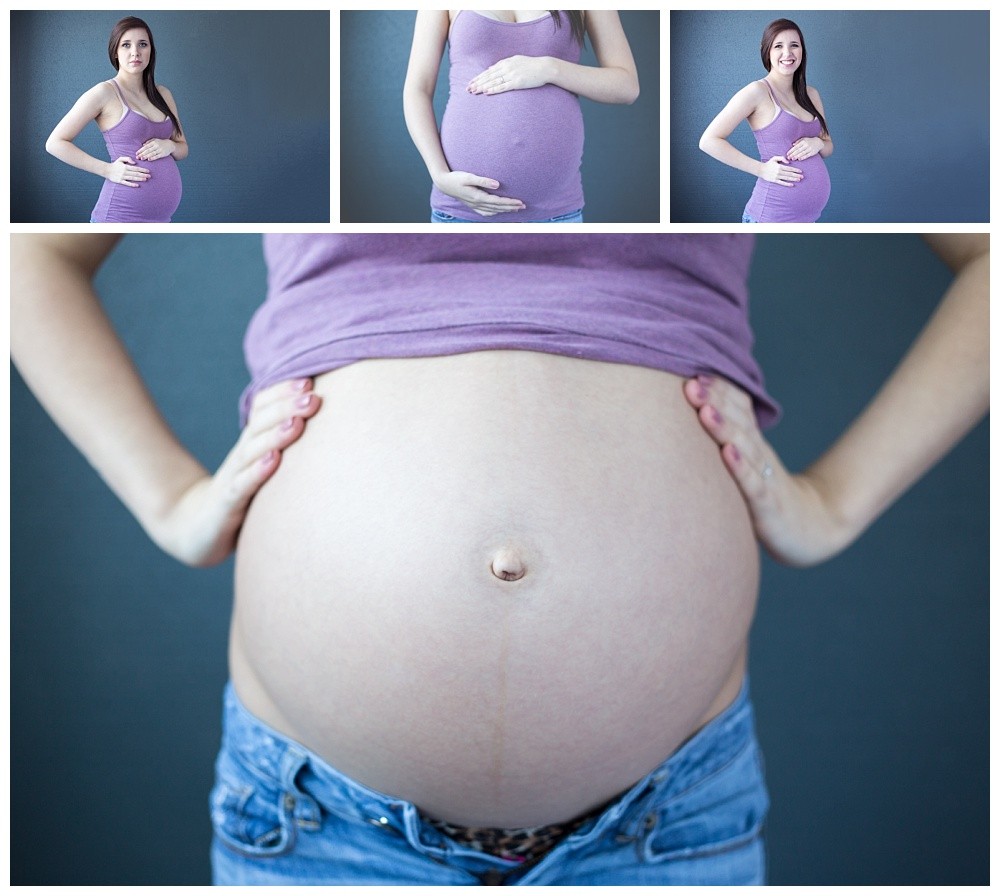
{"x":130,"y":82}
{"x":781,"y":82}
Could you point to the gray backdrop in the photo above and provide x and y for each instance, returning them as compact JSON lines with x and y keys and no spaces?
{"x":252,"y":92}
{"x":906,"y":98}
{"x":382,"y":177}
{"x":869,"y":672}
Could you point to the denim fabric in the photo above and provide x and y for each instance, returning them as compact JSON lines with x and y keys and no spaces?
{"x":283,"y":816}
{"x":444,"y":218}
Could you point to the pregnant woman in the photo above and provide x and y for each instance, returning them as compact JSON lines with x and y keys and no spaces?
{"x":787,"y":119}
{"x":492,"y":605}
{"x":511,"y":140}
{"x":139,"y":120}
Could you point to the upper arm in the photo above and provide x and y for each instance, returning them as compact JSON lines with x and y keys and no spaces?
{"x":611,"y":46}
{"x":957,"y":249}
{"x":83,"y":251}
{"x":430,"y":34}
{"x":85,"y":110}
{"x":168,"y":98}
{"x":817,"y":101}
{"x":738,"y":109}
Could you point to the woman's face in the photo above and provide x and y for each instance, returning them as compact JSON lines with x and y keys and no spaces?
{"x":133,"y":51}
{"x":786,"y":52}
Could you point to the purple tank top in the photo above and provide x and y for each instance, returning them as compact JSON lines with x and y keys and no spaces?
{"x":531,"y":141}
{"x":673,"y":302}
{"x":802,"y":204}
{"x":153,"y":201}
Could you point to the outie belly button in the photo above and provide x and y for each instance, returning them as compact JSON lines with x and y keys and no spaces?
{"x":507,"y":565}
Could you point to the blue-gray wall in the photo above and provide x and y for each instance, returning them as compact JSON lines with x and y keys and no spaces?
{"x":382,"y":177}
{"x":906,"y":96}
{"x":870,"y":673}
{"x":252,"y":92}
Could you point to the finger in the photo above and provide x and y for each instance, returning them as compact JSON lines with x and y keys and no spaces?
{"x":285,"y":400}
{"x":239,"y":487}
{"x":748,"y":478}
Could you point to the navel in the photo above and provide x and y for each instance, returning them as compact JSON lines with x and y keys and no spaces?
{"x":507,"y":565}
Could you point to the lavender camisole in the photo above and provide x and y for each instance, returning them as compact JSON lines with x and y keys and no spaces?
{"x":673,"y":302}
{"x":154,"y":201}
{"x":531,"y":141}
{"x":803,"y":203}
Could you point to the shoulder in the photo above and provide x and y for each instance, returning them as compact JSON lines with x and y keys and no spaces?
{"x":99,"y":97}
{"x":813,"y":93}
{"x":752,"y":95}
{"x":103,"y":91}
{"x":168,"y":97}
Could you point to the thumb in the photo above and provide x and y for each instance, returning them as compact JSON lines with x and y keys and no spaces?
{"x":125,"y":159}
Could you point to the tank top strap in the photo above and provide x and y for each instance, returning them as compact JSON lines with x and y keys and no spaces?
{"x":121,"y":98}
{"x":774,"y":99}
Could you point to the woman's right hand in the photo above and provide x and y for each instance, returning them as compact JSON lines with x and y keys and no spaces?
{"x":124,"y":171}
{"x":201,"y":527}
{"x":471,"y":189}
{"x":776,"y":170}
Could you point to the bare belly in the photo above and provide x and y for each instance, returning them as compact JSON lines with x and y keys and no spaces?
{"x":502,"y":585}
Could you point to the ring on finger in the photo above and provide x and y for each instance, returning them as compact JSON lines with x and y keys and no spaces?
{"x":767,"y":471}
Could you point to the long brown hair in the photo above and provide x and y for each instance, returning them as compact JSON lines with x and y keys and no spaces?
{"x":148,"y":82}
{"x":799,"y":78}
{"x":575,"y":22}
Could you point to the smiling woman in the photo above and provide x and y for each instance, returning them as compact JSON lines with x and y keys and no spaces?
{"x":786,"y":117}
{"x":141,"y":128}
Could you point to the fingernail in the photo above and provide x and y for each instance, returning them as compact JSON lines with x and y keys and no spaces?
{"x":715,"y":415}
{"x":304,"y":401}
{"x":268,"y":459}
{"x":288,"y":424}
{"x":735,"y":452}
{"x":299,"y":385}
{"x":704,"y":379}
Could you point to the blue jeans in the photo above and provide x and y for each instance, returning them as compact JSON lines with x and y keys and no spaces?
{"x":283,"y":816}
{"x":438,"y":217}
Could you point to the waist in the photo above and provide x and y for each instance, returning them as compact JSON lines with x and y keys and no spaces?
{"x":478,"y":560}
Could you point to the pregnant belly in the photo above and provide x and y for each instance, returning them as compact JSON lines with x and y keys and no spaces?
{"x":153,"y":201}
{"x":803,"y":203}
{"x":531,"y":141}
{"x":502,"y":585}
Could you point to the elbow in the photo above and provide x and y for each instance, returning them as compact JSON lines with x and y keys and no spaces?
{"x":631,"y":92}
{"x":704,"y":143}
{"x":52,"y":145}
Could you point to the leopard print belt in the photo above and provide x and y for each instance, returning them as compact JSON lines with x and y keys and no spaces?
{"x":513,"y":844}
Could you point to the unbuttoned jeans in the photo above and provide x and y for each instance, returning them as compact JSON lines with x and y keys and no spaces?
{"x":284,"y":816}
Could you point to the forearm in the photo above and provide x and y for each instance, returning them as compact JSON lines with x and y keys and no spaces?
{"x":71,"y":358}
{"x":938,"y":392}
{"x":418,"y":111}
{"x":723,"y":151}
{"x":71,"y":154}
{"x":603,"y":84}
{"x":827,"y":149}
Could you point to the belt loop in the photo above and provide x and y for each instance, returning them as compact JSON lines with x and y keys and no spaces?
{"x":300,"y":806}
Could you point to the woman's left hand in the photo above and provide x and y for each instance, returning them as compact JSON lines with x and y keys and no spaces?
{"x":512,"y":73}
{"x":792,"y":514}
{"x":804,"y":148}
{"x":155,"y":149}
